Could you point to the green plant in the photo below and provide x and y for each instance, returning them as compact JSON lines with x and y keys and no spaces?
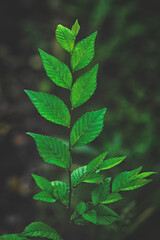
{"x":83,"y":131}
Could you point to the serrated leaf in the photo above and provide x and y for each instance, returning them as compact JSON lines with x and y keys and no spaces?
{"x":84,"y":87}
{"x":105,"y":215}
{"x":90,"y":216}
{"x":65,"y":37}
{"x":43,"y":183}
{"x":83,"y":52}
{"x":113,"y":197}
{"x":56,"y":70}
{"x":78,"y":175}
{"x":134,"y":184}
{"x":93,"y":165}
{"x":75,"y":28}
{"x":60,"y":191}
{"x":52,"y":150}
{"x":122,"y":179}
{"x":50,"y":107}
{"x":143,"y":175}
{"x":87,"y":128}
{"x":101,"y":192}
{"x":81,"y":207}
{"x":110,"y":162}
{"x":93,"y":177}
{"x":39,"y":229}
{"x":44,"y":196}
{"x":12,"y":237}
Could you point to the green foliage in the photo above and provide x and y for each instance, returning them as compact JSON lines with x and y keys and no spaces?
{"x":87,"y":128}
{"x":50,"y":107}
{"x":52,"y":150}
{"x":83,"y":131}
{"x":39,"y":229}
{"x":84,"y":87}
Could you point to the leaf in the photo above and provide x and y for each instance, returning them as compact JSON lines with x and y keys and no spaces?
{"x":56,"y":70}
{"x":90,"y":216}
{"x":75,"y":28}
{"x":78,"y":175}
{"x":113,"y":197}
{"x":81,"y":207}
{"x":110,"y":162}
{"x":93,"y":165}
{"x":83,"y":52}
{"x":93,"y":177}
{"x":61,"y":191}
{"x":105,"y":215}
{"x":39,"y":229}
{"x":50,"y":107}
{"x":43,"y":183}
{"x":134,"y":184}
{"x":44,"y":196}
{"x":122,"y":179}
{"x":143,"y":175}
{"x":87,"y":128}
{"x":12,"y":237}
{"x":84,"y":87}
{"x":101,"y":192}
{"x":52,"y":150}
{"x":65,"y":37}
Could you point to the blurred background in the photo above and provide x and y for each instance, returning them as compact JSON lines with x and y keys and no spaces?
{"x":127,"y":49}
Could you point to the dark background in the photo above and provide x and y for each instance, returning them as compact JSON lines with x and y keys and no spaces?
{"x":127,"y":49}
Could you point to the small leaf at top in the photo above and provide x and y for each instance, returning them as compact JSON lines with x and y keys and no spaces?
{"x":52,"y":150}
{"x":50,"y":107}
{"x":39,"y":229}
{"x":84,"y":87}
{"x":87,"y":128}
{"x":56,"y":70}
{"x":65,"y":37}
{"x":83,"y":52}
{"x":75,"y":28}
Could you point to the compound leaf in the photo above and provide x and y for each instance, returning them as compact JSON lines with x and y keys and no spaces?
{"x":87,"y":128}
{"x":65,"y":37}
{"x":52,"y":150}
{"x":50,"y":107}
{"x":93,"y":165}
{"x":110,"y":162}
{"x":12,"y":237}
{"x":43,"y":183}
{"x":60,"y":191}
{"x":44,"y":196}
{"x":84,"y":87}
{"x":39,"y":229}
{"x":56,"y":70}
{"x":83,"y":52}
{"x":75,"y":28}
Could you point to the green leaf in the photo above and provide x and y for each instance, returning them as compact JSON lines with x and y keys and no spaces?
{"x":75,"y":28}
{"x":101,"y":192}
{"x":39,"y":229}
{"x":93,"y":165}
{"x":50,"y":107}
{"x":78,"y":175}
{"x":56,"y":70}
{"x":81,"y":208}
{"x":113,"y":197}
{"x":12,"y":237}
{"x":105,"y":215}
{"x":90,"y":216}
{"x":65,"y":37}
{"x":43,"y":183}
{"x":87,"y":128}
{"x":60,"y":191}
{"x":83,"y":52}
{"x":122,"y":179}
{"x":110,"y":162}
{"x":143,"y":175}
{"x":44,"y":196}
{"x":52,"y":150}
{"x":84,"y":87}
{"x":93,"y":177}
{"x":134,"y":184}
